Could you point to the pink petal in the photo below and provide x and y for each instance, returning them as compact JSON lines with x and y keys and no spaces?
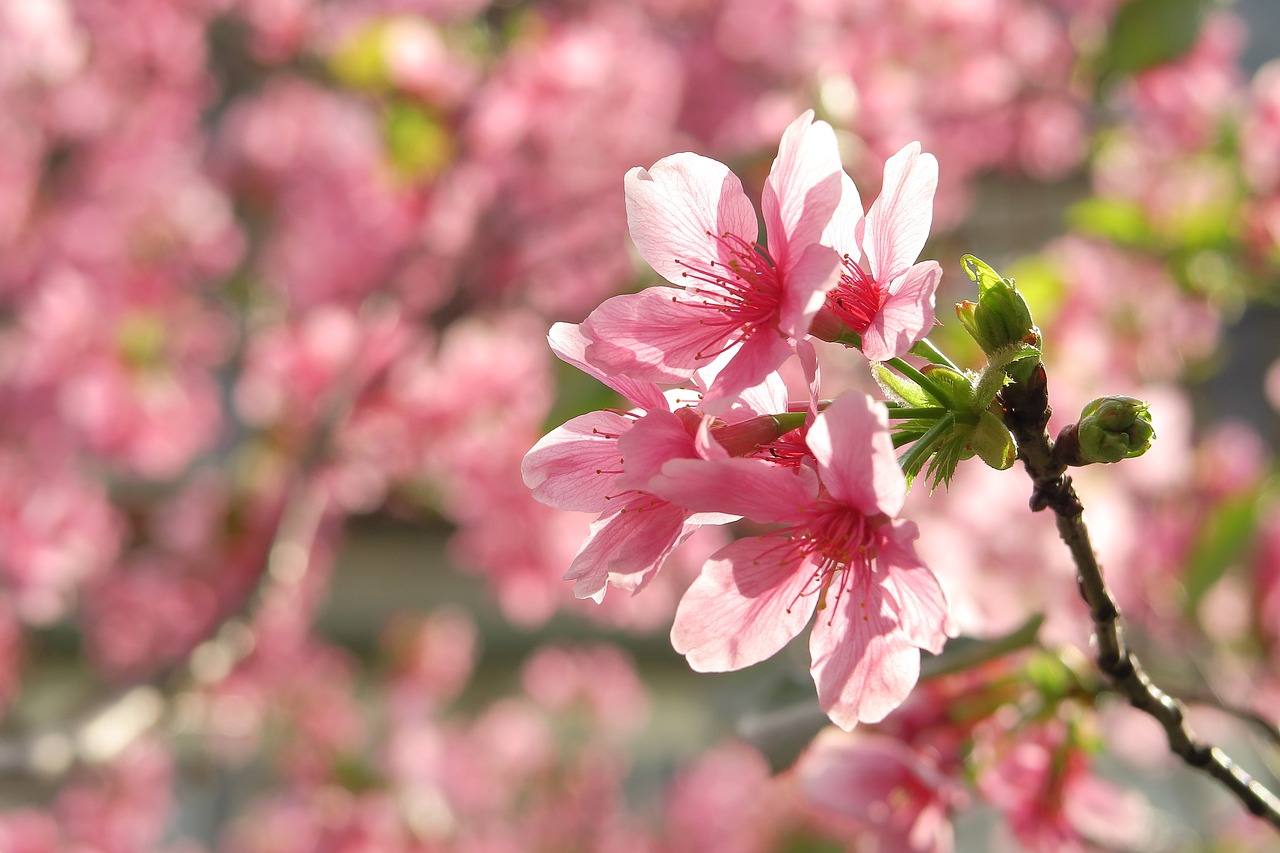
{"x":574,"y":466}
{"x":907,"y":314}
{"x":744,"y":607}
{"x":898,"y":221}
{"x":802,"y":190}
{"x":570,"y":344}
{"x":807,"y":280}
{"x":769,"y":397}
{"x":851,"y":442}
{"x":921,"y":605}
{"x":677,"y":209}
{"x":863,"y":666}
{"x":653,"y":440}
{"x":844,"y":232}
{"x":753,"y":488}
{"x":762,"y":354}
{"x":634,"y":539}
{"x":656,"y":335}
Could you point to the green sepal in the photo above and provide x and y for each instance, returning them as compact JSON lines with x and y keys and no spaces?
{"x":993,"y":442}
{"x":900,"y":389}
{"x":957,"y":387}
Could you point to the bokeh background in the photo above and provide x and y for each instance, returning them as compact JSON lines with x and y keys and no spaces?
{"x":275,"y":279}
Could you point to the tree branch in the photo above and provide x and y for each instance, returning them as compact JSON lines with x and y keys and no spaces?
{"x":1026,"y":407}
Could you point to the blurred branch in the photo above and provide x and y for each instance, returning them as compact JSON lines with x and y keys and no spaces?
{"x":1026,"y":406}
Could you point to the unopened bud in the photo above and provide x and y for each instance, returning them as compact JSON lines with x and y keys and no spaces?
{"x":750,"y":435}
{"x":1001,"y":317}
{"x":1114,"y":428}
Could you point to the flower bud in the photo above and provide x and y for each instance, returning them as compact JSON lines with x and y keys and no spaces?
{"x":747,"y":436}
{"x":1001,"y":317}
{"x":1114,"y":428}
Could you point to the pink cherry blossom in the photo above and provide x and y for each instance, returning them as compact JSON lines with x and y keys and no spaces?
{"x":889,"y":302}
{"x":840,"y":553}
{"x":692,"y":222}
{"x":602,"y":462}
{"x":897,"y":799}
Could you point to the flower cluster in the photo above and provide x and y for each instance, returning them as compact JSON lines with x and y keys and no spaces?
{"x":728,"y":444}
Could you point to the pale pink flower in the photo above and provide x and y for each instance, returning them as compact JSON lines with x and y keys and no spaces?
{"x":692,"y":222}
{"x":889,"y":299}
{"x":1052,"y":800}
{"x":897,"y":799}
{"x":841,"y":553}
{"x":602,"y":462}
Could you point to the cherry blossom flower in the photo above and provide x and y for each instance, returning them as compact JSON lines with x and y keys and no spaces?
{"x":601,"y":462}
{"x":841,"y":553}
{"x":692,"y":222}
{"x":896,"y":798}
{"x":889,"y":299}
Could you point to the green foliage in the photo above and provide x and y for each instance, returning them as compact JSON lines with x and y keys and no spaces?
{"x":1225,"y":536}
{"x":1147,"y":33}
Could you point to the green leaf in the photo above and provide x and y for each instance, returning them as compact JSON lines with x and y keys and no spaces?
{"x":1224,"y":537}
{"x":1119,"y":220}
{"x":1147,"y":33}
{"x":417,"y":141}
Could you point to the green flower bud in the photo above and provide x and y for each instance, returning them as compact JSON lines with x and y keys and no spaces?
{"x":1000,"y":318}
{"x":965,"y":311}
{"x":1114,"y":428}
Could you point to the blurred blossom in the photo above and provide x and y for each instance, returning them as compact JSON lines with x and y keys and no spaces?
{"x":268,"y":265}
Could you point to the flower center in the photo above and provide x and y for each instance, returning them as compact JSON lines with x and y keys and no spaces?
{"x":743,"y":293}
{"x":858,"y":298}
{"x":841,"y":541}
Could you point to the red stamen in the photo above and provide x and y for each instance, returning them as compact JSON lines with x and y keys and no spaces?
{"x":858,"y":298}
{"x":744,"y":294}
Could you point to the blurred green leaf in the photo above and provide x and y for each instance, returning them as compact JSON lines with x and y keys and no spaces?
{"x":1147,"y":33}
{"x":417,"y":142}
{"x":1119,"y":220}
{"x":1223,"y":538}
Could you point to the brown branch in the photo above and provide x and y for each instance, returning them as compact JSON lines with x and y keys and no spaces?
{"x":1026,"y":407}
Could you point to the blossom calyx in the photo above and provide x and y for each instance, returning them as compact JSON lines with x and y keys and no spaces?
{"x":1114,"y":428}
{"x":992,"y":441}
{"x":1000,"y":318}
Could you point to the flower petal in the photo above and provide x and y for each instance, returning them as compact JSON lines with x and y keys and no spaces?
{"x":655,"y":335}
{"x":844,"y":232}
{"x":570,"y":345}
{"x":898,"y":222}
{"x":633,"y":539}
{"x":753,"y":488}
{"x":906,"y":316}
{"x":744,"y":607}
{"x":760,"y":355}
{"x":653,"y":440}
{"x":802,"y":190}
{"x":921,"y":605}
{"x":863,"y":665}
{"x":677,"y":210}
{"x":814,"y":273}
{"x":851,"y":442}
{"x":574,"y":467}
